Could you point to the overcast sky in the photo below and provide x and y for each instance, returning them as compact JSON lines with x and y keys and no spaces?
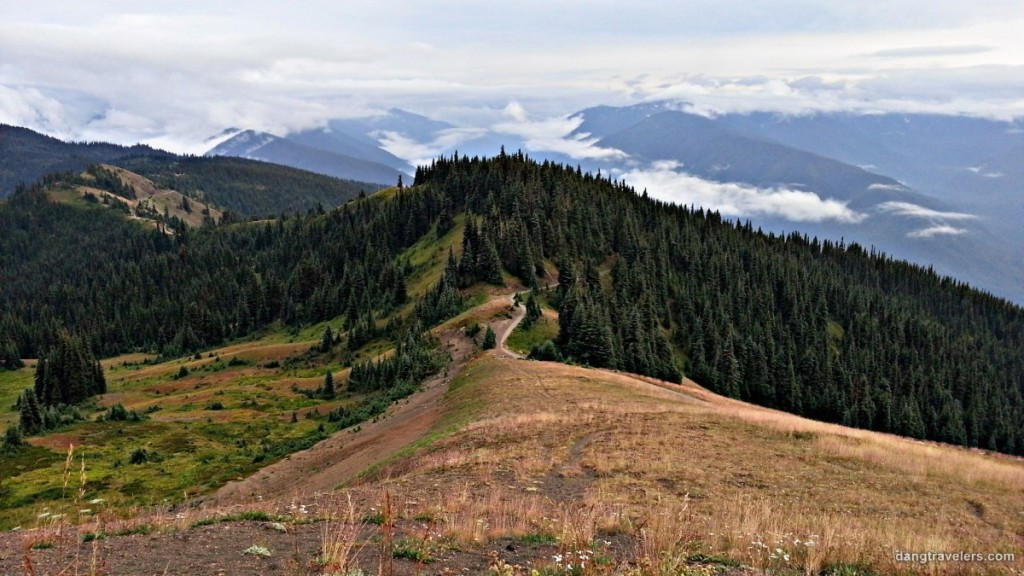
{"x":175,"y":72}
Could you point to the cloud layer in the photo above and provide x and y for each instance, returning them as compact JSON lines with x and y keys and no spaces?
{"x":939,"y":219}
{"x":916,"y":211}
{"x":179,"y":72}
{"x":664,"y":181}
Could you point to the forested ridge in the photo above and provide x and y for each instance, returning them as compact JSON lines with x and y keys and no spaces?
{"x":121,"y":286}
{"x":246,"y":188}
{"x":817,"y":328}
{"x":823,"y":329}
{"x":25,"y":156}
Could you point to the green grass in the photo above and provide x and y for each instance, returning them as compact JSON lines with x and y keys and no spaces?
{"x":465,"y":402}
{"x":539,"y":538}
{"x":522,"y":341}
{"x":189,"y":449}
{"x":429,"y":255}
{"x":12,"y":382}
{"x":141,"y":529}
{"x":251,"y":515}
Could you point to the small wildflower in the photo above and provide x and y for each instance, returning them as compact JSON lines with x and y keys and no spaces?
{"x":258,"y":551}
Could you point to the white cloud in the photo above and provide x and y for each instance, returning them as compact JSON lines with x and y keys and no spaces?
{"x":664,"y":181}
{"x":515,"y":111}
{"x":421,"y":153}
{"x":980,"y":171}
{"x":938,"y":230}
{"x":880,"y":186}
{"x":554,"y":135}
{"x":929,"y":51}
{"x":915,"y":211}
{"x":196,"y":67}
{"x":30,"y":107}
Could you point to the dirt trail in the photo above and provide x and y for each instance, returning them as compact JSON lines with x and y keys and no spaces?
{"x":344,"y":455}
{"x":505,"y":327}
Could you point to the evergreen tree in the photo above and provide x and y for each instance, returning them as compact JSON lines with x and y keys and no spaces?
{"x":490,"y":339}
{"x":68,"y":373}
{"x":10,"y":359}
{"x":30,"y":413}
{"x":12,"y":438}
{"x":327,"y":391}
{"x":533,"y":312}
{"x":327,"y":341}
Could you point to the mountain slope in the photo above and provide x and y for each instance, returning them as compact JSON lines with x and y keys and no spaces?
{"x":924,"y":151}
{"x":337,"y":142}
{"x":708,"y":149}
{"x":248,"y":188}
{"x":26,"y":156}
{"x":528,"y":460}
{"x":270,"y":148}
{"x":824,"y":329}
{"x":822,"y":155}
{"x":751,"y":312}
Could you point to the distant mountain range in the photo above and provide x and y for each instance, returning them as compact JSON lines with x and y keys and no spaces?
{"x":323,"y":152}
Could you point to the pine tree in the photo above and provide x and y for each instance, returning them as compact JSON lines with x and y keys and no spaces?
{"x":12,"y":438}
{"x":30,"y":413}
{"x":533,"y":312}
{"x":68,"y":373}
{"x":10,"y":359}
{"x":327,"y":341}
{"x":328,"y":392}
{"x":490,"y":339}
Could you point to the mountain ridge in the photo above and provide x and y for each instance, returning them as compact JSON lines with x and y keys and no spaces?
{"x":269,"y":148}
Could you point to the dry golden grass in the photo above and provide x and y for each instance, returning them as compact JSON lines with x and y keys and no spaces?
{"x":686,"y":471}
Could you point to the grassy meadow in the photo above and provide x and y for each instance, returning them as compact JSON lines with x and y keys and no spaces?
{"x":585,"y":456}
{"x":202,"y":421}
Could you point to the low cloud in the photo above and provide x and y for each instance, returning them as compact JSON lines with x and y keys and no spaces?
{"x":931,"y":51}
{"x":915,"y":211}
{"x":664,"y":181}
{"x":938,"y":230}
{"x":554,"y":135}
{"x":30,"y":107}
{"x":896,"y":187}
{"x":421,"y":153}
{"x":980,"y":171}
